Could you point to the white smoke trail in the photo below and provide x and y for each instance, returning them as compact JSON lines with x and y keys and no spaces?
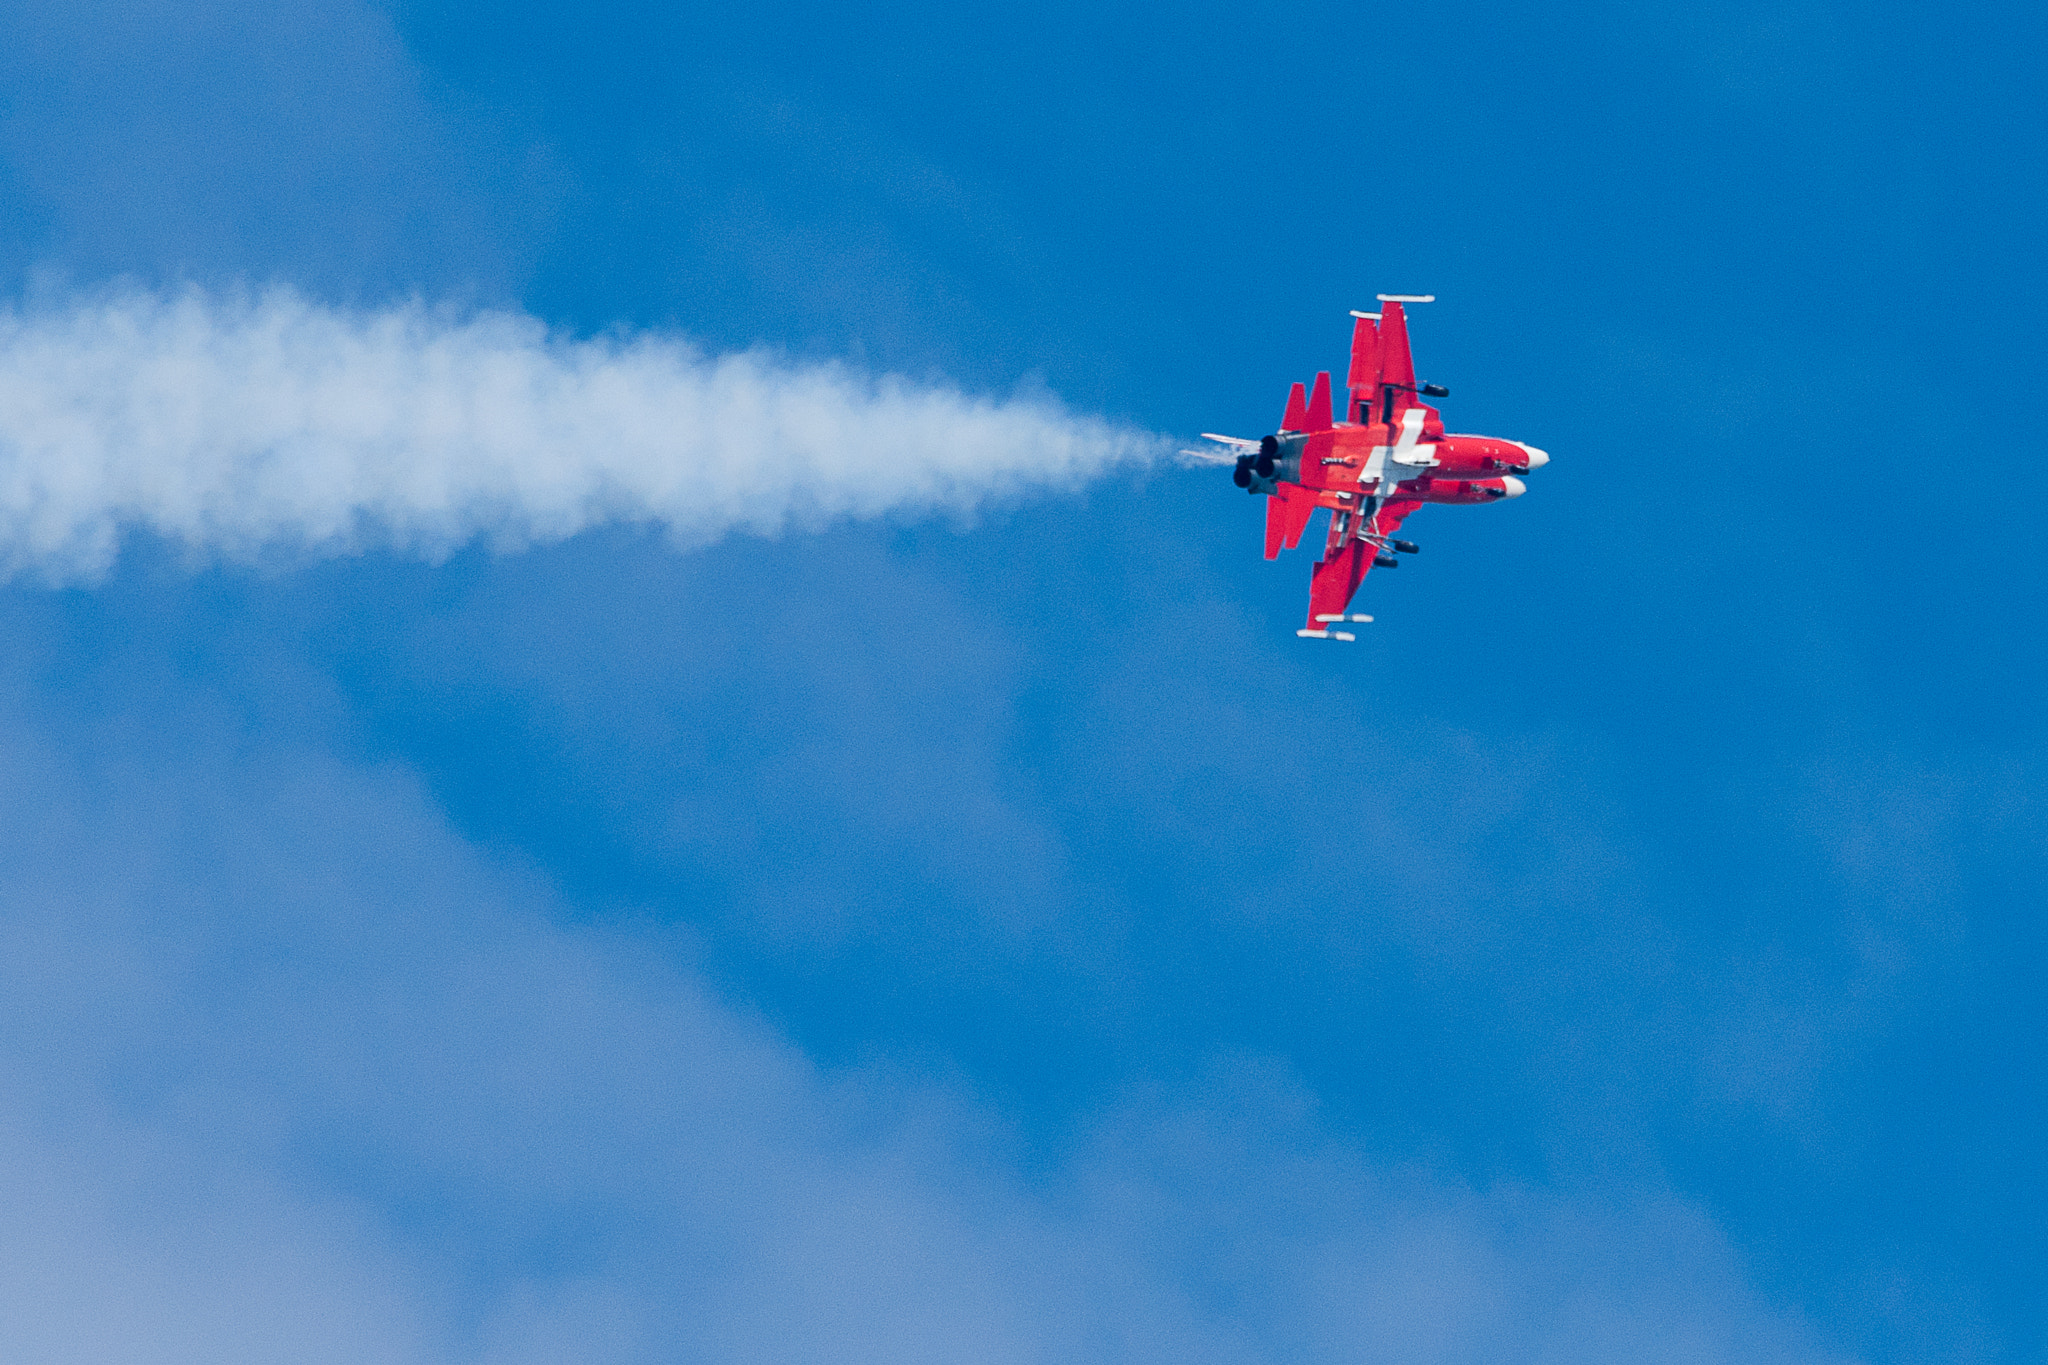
{"x":246,"y":424}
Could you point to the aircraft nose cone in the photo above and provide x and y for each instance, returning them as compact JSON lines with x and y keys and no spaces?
{"x":1514,"y":486}
{"x":1537,"y":458}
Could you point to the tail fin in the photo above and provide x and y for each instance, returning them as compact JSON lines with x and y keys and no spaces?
{"x":1319,"y":404}
{"x":1308,"y":411}
{"x":1296,"y":416}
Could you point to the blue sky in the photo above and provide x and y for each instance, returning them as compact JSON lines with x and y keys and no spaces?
{"x":976,"y":928}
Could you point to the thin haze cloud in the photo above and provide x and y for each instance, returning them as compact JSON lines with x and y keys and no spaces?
{"x":240,"y":425}
{"x":297,"y":1073}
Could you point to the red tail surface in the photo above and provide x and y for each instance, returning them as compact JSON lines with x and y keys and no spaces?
{"x":1287,"y":514}
{"x":1296,"y":416}
{"x":1319,"y":405}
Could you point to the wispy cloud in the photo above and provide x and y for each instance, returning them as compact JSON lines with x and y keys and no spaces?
{"x":244,"y":424}
{"x":290,"y":1063}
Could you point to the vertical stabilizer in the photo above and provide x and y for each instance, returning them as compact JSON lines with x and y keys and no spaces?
{"x":1319,"y":404}
{"x":1296,"y":417}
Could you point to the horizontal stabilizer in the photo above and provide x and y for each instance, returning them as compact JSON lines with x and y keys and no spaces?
{"x":1287,"y":514}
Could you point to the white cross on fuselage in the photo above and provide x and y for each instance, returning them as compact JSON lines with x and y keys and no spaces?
{"x":1388,"y":465}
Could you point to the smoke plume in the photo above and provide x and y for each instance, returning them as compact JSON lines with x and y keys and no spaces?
{"x":242,"y":425}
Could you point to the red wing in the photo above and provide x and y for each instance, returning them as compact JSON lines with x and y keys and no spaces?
{"x":1397,"y":365}
{"x":1392,"y":513}
{"x":1363,"y":380}
{"x":1342,"y":569}
{"x":1382,"y":378}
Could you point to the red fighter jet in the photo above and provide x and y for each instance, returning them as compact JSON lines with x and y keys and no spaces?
{"x":1372,"y":471}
